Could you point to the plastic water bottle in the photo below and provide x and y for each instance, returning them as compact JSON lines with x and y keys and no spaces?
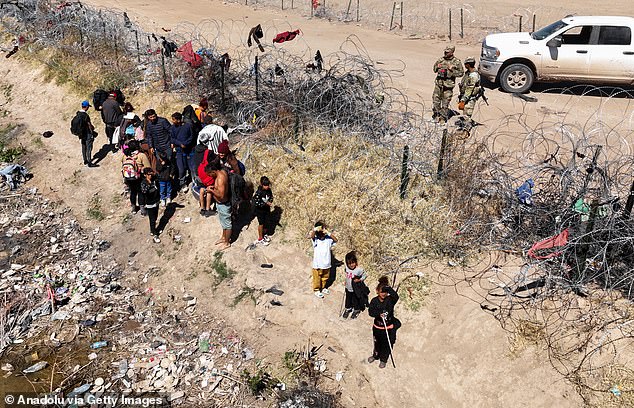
{"x":99,"y":344}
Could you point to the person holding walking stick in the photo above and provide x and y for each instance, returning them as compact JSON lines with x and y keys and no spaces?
{"x":385,"y":324}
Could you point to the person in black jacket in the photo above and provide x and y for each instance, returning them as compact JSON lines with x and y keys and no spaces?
{"x":385,"y":324}
{"x":112,"y":116}
{"x":151,"y":195}
{"x":262,"y":202}
{"x":158,"y":134}
{"x":87,"y":134}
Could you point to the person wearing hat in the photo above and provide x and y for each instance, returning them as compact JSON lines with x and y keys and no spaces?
{"x":228,"y":159}
{"x":447,"y":69}
{"x":112,"y":116}
{"x":469,"y":88}
{"x":87,"y":135}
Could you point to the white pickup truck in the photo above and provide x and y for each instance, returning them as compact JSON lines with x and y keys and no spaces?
{"x":589,"y":49}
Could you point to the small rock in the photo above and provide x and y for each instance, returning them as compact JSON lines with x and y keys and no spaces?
{"x":99,"y":382}
{"x":165,"y":363}
{"x":176,"y":395}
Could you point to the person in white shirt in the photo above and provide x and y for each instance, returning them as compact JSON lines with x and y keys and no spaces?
{"x":322,"y":241}
{"x":212,"y":135}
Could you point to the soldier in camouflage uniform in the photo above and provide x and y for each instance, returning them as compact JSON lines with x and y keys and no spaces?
{"x":447,"y":69}
{"x":469,"y":88}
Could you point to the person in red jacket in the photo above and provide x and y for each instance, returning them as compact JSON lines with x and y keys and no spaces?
{"x":206,"y":198}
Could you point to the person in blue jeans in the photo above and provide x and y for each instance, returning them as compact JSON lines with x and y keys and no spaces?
{"x":165,"y":171}
{"x":182,"y":139}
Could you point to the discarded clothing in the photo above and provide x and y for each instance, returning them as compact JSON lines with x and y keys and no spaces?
{"x":187,"y":53}
{"x":319,"y":63}
{"x":524,"y":193}
{"x":255,"y":34}
{"x":558,"y":240}
{"x":169,"y":47}
{"x":14,"y":174}
{"x":286,"y":36}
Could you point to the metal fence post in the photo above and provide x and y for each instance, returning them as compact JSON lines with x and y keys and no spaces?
{"x":164,"y":73}
{"x":520,"y":30}
{"x":449,"y":24}
{"x":404,"y":172}
{"x":392,"y":18}
{"x":443,"y":151}
{"x":461,"y":23}
{"x":533,"y":22}
{"x":257,"y":78}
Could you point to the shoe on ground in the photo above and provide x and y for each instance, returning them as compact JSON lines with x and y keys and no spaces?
{"x":91,"y":165}
{"x":325,"y":291}
{"x":319,"y":295}
{"x":169,"y":201}
{"x":346,"y":313}
{"x":382,"y":364}
{"x":267,"y":238}
{"x":203,"y":212}
{"x":209,"y":213}
{"x":262,"y":242}
{"x":163,"y":203}
{"x":143,"y":211}
{"x":156,"y":239}
{"x":184,"y":189}
{"x":134,"y":209}
{"x":371,"y":359}
{"x":355,"y":314}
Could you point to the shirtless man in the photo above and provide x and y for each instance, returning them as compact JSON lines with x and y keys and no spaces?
{"x":220,"y":191}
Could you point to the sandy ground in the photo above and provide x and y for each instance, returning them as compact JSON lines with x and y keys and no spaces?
{"x":450,"y":354}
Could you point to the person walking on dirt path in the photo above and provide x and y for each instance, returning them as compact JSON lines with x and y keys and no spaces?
{"x":447,"y":69}
{"x":469,"y":88}
{"x":222,"y":196}
{"x":157,"y":134}
{"x":323,"y":242}
{"x":112,"y":116}
{"x":86,"y":134}
{"x":385,"y":324}
{"x":262,"y":202}
{"x":151,"y":195}
{"x":182,"y":140}
{"x":132,"y":156}
{"x":356,"y":290}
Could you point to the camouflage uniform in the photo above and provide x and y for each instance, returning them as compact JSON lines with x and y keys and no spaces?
{"x":447,"y":70}
{"x":469,"y":90}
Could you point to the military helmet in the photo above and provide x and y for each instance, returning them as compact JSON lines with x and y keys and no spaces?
{"x":470,"y":60}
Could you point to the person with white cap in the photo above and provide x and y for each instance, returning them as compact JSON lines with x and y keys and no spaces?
{"x":447,"y":69}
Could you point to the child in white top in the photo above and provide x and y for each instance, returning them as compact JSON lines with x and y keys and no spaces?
{"x":322,"y":258}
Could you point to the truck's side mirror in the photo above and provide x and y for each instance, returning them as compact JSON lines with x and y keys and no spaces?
{"x":554,"y":42}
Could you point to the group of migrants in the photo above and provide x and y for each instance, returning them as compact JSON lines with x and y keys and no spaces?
{"x":160,"y":158}
{"x":447,"y":70}
{"x":356,"y":292}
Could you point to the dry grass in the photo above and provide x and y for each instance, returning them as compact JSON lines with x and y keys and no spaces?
{"x":353,"y":187}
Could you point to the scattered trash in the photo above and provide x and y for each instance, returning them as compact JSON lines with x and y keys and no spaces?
{"x":98,"y":344}
{"x":339,"y":375}
{"x":7,"y":367}
{"x":616,"y":391}
{"x":47,"y":134}
{"x":35,"y":367}
{"x":276,"y":303}
{"x":187,"y":220}
{"x":266,"y":265}
{"x":274,"y":291}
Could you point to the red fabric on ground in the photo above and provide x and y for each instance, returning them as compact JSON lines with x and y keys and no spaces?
{"x":558,"y":240}
{"x":286,"y":36}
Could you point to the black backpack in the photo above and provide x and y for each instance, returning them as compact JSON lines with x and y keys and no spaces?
{"x":237,"y":190}
{"x":189,"y":116}
{"x":98,"y":98}
{"x":77,"y":124}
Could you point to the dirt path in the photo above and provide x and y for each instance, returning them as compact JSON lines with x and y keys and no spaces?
{"x":449,"y":354}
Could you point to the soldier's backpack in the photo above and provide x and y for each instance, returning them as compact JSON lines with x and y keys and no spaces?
{"x":130,"y":169}
{"x":77,"y":124}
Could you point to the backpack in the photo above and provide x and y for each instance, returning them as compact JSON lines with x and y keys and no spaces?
{"x":237,"y":190}
{"x":130,"y":169}
{"x":77,"y":124}
{"x":98,"y":98}
{"x":189,"y":116}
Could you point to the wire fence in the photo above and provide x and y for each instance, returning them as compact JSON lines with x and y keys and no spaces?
{"x":566,"y":194}
{"x":454,"y":20}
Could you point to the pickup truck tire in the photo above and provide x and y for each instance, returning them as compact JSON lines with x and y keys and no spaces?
{"x":516,"y":78}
